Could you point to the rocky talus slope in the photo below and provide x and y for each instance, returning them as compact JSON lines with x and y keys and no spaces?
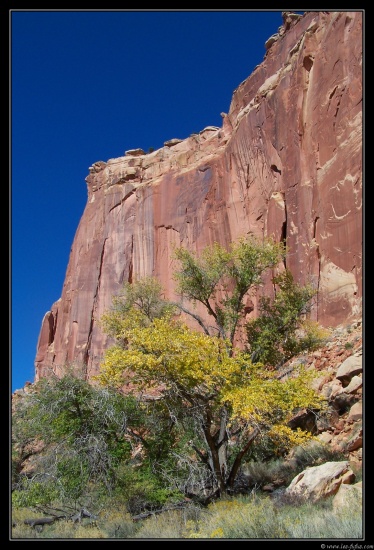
{"x":340,"y":362}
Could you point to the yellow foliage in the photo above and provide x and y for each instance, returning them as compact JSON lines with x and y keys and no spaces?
{"x":286,"y":438}
{"x":217,"y":533}
{"x":315,"y":330}
{"x":168,"y":355}
{"x":264,"y":394}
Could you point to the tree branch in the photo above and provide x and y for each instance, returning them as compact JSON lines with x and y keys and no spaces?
{"x":193,"y":315}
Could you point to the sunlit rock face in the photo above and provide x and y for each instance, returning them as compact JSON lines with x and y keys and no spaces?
{"x":287,"y":162}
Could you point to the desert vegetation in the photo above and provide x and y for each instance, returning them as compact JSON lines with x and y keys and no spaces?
{"x":181,"y":429}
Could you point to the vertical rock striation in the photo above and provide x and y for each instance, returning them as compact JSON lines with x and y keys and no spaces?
{"x":286,"y":162}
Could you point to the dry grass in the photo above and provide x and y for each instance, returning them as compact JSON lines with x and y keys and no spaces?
{"x":254,"y":517}
{"x":259,"y":518}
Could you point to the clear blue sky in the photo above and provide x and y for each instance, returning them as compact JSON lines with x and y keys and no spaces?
{"x":87,"y":86}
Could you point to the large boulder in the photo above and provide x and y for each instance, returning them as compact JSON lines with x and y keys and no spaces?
{"x":319,"y":482}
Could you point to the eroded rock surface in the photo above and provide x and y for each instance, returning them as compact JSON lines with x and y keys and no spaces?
{"x":286,"y":162}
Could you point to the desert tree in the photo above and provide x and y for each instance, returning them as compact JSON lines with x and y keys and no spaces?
{"x":219,"y":279}
{"x":283,"y":328}
{"x":229,"y":400}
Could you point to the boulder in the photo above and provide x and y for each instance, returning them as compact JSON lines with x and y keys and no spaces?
{"x":354,"y":385}
{"x":134,"y":153}
{"x":319,"y":482}
{"x":355,"y":412}
{"x":348,"y":369}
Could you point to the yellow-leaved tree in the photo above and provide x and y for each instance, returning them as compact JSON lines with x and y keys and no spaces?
{"x":211,"y":399}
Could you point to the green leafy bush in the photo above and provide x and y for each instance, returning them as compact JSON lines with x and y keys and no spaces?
{"x":282,"y":329}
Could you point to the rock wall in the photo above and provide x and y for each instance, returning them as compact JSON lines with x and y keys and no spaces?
{"x":286,"y":162}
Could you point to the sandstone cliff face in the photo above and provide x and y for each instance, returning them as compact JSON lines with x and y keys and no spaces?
{"x":286,"y":162}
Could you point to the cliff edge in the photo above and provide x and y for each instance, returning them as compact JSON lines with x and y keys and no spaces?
{"x":286,"y":162}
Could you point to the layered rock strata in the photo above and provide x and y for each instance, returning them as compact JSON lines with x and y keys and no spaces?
{"x":287,"y":162}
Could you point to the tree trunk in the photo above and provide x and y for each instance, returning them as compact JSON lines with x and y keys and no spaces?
{"x":222,"y":444}
{"x":239,"y":458}
{"x":215,"y":466}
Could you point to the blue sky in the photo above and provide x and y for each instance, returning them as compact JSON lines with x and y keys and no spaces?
{"x":87,"y":86}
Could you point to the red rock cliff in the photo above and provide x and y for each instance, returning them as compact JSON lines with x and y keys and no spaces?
{"x":286,"y":162}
